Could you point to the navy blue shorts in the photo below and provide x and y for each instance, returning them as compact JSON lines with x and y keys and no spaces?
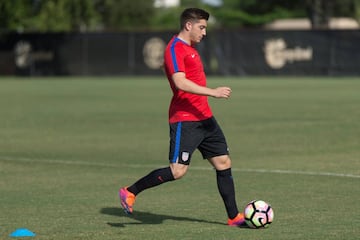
{"x":186,"y":137}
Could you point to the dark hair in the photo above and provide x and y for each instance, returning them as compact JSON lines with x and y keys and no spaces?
{"x":192,"y":15}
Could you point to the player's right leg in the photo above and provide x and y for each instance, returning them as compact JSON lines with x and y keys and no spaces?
{"x":128,"y":194}
{"x":159,"y":176}
{"x":182,"y":145}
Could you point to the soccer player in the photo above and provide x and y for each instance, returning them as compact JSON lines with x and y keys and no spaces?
{"x":192,"y":124}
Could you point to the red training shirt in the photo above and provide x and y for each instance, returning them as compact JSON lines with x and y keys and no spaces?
{"x":181,"y":57}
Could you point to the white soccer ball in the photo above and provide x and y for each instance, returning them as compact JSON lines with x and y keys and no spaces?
{"x":258,"y":214}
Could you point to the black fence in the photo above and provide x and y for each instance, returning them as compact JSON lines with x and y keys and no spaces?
{"x":250,"y":52}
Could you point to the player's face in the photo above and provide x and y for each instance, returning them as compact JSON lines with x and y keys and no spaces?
{"x":198,"y":30}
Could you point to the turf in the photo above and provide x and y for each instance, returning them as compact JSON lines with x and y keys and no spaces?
{"x":68,"y":144}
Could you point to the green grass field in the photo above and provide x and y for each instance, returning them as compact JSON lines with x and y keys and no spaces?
{"x":68,"y":144}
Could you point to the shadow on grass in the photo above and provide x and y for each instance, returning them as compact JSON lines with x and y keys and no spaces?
{"x":148,"y":218}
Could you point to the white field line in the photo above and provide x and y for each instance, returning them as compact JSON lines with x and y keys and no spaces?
{"x":102,"y":164}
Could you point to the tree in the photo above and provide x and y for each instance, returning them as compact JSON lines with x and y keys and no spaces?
{"x":48,"y":15}
{"x":125,"y":14}
{"x":14,"y":15}
{"x":64,"y":15}
{"x":321,"y":11}
{"x":254,"y":13}
{"x":120,"y":15}
{"x":357,"y":10}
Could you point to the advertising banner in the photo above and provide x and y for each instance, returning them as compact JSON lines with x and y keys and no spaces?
{"x":228,"y":53}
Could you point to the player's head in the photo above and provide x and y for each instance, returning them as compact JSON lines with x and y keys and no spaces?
{"x":194,"y":21}
{"x":192,"y":15}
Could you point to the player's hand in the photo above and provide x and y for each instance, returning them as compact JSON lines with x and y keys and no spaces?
{"x":222,"y":92}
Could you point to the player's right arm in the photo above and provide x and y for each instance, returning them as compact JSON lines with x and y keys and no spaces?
{"x":186,"y":85}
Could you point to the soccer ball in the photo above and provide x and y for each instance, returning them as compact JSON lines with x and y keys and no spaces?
{"x":258,"y":214}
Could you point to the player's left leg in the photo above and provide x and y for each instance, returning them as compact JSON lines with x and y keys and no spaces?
{"x":215,"y":149}
{"x":226,"y":188}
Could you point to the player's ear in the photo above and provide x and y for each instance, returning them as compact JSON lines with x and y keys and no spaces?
{"x":188,"y":26}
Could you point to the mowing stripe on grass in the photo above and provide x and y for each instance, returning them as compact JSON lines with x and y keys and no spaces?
{"x":84,"y":163}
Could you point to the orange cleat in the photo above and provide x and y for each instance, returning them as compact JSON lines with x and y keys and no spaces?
{"x":238,"y":221}
{"x":127,"y":200}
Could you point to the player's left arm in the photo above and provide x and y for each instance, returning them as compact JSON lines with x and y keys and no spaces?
{"x":184,"y":84}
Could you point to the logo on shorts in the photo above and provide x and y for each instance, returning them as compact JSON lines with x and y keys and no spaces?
{"x":185,"y":156}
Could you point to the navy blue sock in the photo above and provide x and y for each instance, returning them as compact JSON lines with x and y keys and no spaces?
{"x":155,"y":178}
{"x":226,"y":188}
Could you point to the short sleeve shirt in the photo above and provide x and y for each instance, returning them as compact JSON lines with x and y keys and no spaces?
{"x":182,"y":57}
